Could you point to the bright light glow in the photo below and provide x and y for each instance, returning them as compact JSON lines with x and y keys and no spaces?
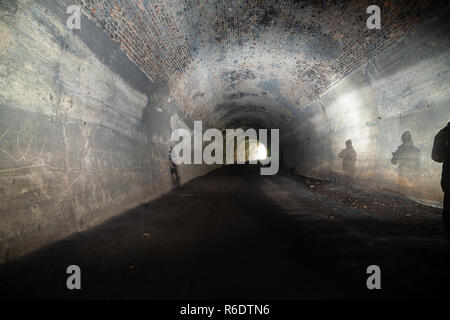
{"x":261,"y":152}
{"x":349,"y":113}
{"x":253,"y":151}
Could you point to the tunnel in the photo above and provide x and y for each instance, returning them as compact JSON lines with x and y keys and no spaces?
{"x":350,"y":95}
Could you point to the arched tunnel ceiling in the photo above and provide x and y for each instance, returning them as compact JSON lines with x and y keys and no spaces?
{"x":251,"y":62}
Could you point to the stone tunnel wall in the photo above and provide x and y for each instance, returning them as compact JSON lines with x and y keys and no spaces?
{"x":84,"y":134}
{"x":404,"y":88}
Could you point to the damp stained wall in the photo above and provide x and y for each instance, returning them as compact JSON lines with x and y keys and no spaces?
{"x":86,"y":116}
{"x":406,"y":87}
{"x":258,"y":61}
{"x":310,"y":68}
{"x":84,"y":133}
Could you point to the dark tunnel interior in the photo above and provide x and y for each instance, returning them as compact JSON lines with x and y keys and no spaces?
{"x":118,"y":156}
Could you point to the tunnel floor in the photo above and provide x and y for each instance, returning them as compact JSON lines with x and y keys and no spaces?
{"x":234,"y":234}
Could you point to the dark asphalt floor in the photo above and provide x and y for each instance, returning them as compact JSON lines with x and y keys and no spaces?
{"x":234,"y":234}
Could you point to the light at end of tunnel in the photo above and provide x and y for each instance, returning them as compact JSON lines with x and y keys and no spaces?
{"x":261,"y":152}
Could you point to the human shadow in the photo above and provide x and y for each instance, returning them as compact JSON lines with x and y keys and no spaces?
{"x":348,"y":156}
{"x":406,"y":157}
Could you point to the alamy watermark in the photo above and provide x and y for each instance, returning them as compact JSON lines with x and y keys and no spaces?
{"x":374,"y":280}
{"x":374,"y":20}
{"x":251,"y":147}
{"x":74,"y":280}
{"x":73,"y":22}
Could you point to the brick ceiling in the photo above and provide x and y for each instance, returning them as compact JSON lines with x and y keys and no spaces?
{"x":251,"y":62}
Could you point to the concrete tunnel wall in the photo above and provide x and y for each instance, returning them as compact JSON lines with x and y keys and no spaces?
{"x":86,"y":115}
{"x":84,"y":134}
{"x":403,"y":88}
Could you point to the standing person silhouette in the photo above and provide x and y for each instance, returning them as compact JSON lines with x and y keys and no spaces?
{"x":173,"y":170}
{"x":406,"y":156}
{"x":348,"y":156}
{"x":441,"y":153}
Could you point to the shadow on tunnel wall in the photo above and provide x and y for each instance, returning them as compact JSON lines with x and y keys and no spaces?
{"x":391,"y":108}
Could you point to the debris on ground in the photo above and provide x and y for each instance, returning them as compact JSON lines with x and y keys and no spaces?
{"x":382,"y":206}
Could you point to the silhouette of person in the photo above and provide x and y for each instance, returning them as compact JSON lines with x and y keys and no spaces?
{"x":173,"y":170}
{"x":441,"y":153}
{"x":406,"y":156}
{"x":348,"y":156}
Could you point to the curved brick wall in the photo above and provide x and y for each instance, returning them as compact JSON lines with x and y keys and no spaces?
{"x":86,"y":115}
